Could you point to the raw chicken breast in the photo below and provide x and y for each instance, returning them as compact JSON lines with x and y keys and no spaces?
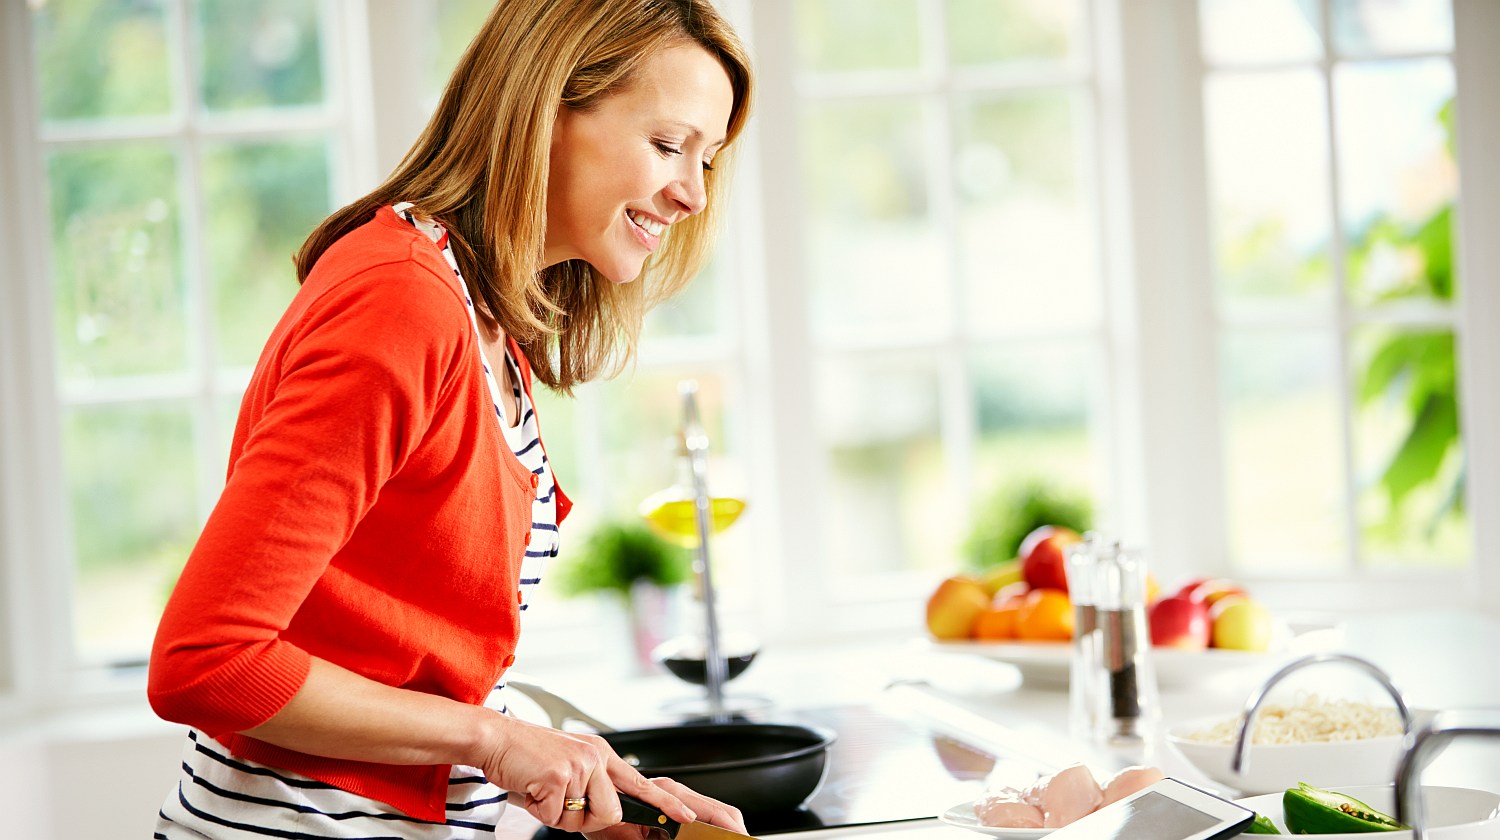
{"x":1006,"y":809}
{"x":1130,"y":780}
{"x":1065,"y":796}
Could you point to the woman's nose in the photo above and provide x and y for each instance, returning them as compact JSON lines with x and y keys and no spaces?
{"x":689,"y":193}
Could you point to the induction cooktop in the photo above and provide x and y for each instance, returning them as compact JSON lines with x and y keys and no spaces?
{"x":882,"y":768}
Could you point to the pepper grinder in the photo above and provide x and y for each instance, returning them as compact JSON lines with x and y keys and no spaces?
{"x":1131,"y":707}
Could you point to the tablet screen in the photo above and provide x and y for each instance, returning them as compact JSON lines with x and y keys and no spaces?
{"x":1151,"y":816}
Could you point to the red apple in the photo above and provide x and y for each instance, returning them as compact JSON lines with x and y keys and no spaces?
{"x":1179,"y":621}
{"x":1209,"y":590}
{"x":1042,"y":556}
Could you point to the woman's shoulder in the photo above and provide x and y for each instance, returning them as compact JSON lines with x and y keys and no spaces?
{"x":389,"y":250}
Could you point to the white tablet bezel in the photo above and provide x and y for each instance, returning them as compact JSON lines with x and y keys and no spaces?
{"x":1232,"y":818}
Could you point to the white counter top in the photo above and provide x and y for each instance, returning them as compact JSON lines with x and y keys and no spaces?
{"x":1440,"y":660}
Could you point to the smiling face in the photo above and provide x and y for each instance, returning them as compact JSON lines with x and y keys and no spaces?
{"x":626,"y":169}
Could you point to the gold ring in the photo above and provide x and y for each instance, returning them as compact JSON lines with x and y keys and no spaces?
{"x":571,"y":804}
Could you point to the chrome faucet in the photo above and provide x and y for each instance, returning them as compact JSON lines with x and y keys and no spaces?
{"x":1419,"y":748}
{"x":1242,"y":740}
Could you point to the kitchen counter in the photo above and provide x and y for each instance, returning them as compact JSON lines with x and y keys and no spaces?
{"x":1440,"y":660}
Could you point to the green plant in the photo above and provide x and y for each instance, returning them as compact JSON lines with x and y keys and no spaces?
{"x":618,"y":555}
{"x":1417,"y":366}
{"x":1015,"y":511}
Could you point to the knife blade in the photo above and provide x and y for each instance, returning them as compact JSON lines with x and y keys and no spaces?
{"x":637,"y":812}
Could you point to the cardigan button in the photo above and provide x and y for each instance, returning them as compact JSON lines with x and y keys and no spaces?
{"x":520,"y":597}
{"x":533,"y":481}
{"x":510,"y":660}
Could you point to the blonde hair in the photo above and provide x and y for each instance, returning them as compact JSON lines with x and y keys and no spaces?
{"x":481,"y":164}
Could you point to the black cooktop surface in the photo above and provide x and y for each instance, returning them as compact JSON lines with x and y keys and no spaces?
{"x":881,"y":769}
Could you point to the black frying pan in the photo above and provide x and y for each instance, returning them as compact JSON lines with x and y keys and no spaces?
{"x":756,"y":767}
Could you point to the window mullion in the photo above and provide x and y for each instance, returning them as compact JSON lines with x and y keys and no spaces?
{"x":1342,"y":310}
{"x":1476,"y":67}
{"x":34,"y":577}
{"x":199,"y":305}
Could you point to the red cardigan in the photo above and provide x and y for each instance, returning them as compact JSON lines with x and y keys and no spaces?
{"x":373,"y":516}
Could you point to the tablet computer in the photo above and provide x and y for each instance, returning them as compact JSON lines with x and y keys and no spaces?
{"x":1167,"y":810}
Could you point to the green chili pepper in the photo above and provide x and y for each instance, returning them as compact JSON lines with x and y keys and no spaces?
{"x":1262,"y":825}
{"x":1310,"y":810}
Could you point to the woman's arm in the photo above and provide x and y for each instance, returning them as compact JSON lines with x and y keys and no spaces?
{"x":340,"y":714}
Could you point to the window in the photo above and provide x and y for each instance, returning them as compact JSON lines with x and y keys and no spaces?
{"x":951,"y":265}
{"x":1334,"y":183}
{"x":188,"y":148}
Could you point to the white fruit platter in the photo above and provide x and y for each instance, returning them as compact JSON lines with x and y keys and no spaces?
{"x":1047,"y":664}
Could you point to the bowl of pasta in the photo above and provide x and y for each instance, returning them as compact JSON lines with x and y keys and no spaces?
{"x":1321,"y":742}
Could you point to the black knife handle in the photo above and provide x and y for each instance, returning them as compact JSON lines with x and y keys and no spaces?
{"x":637,"y":812}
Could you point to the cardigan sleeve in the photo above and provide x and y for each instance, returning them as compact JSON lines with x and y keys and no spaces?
{"x":343,"y":394}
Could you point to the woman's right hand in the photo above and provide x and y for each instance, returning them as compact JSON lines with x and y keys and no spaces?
{"x":541,"y":767}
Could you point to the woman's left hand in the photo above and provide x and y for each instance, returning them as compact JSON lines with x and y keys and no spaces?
{"x":710,"y":811}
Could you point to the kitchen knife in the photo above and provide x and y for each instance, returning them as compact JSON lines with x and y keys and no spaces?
{"x":637,"y":812}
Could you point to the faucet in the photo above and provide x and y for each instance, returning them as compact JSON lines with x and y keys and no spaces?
{"x":1419,"y":748}
{"x":1242,"y":740}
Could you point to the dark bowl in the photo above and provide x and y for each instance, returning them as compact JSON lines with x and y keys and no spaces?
{"x":696,"y":670}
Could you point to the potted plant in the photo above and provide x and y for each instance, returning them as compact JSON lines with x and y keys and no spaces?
{"x":626,"y":561}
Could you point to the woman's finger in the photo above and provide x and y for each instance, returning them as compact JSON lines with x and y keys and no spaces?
{"x":709,"y":810}
{"x":627,"y":779}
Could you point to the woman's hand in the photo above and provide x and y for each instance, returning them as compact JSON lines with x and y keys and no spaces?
{"x":542,"y":767}
{"x":711,"y":811}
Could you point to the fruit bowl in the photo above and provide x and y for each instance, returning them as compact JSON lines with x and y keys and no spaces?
{"x":1452,"y":813}
{"x":1272,"y":768}
{"x":1048,"y":664}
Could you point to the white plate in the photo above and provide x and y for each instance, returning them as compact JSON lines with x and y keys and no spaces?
{"x":1452,"y":813}
{"x":1048,"y":663}
{"x":962,"y":816}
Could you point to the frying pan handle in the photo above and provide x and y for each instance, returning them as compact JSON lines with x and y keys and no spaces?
{"x":558,"y":710}
{"x":637,"y":812}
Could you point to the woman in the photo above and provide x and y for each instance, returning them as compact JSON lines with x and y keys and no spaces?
{"x":355,"y":597}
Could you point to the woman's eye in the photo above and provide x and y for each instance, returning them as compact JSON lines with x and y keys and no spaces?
{"x":666,"y":149}
{"x":708,"y":167}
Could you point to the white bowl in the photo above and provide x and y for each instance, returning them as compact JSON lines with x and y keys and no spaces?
{"x":1451,"y":813}
{"x":1272,"y":768}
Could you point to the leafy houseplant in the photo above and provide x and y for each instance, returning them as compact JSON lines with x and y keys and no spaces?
{"x":628,"y":562}
{"x":1015,"y":511}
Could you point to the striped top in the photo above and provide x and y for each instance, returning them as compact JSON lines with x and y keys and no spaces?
{"x":221,"y":796}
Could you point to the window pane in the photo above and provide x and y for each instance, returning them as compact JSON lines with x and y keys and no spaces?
{"x":1019,"y":196}
{"x":557,"y":420}
{"x":1004,"y":31}
{"x":455,"y":23}
{"x":115,"y":263}
{"x":262,"y":200}
{"x":259,"y":55}
{"x":842,"y":35}
{"x":134,"y":519}
{"x":872,"y":245}
{"x":1283,"y":451}
{"x":1260,"y":31}
{"x":888,"y":494}
{"x":102,"y":58}
{"x":1268,"y":171}
{"x":1399,"y":178}
{"x":1379,"y":27}
{"x":1034,"y":416}
{"x":1408,"y":450}
{"x":694,"y":311}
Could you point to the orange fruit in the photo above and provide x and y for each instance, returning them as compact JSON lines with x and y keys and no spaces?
{"x":1045,"y":615}
{"x":998,"y":622}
